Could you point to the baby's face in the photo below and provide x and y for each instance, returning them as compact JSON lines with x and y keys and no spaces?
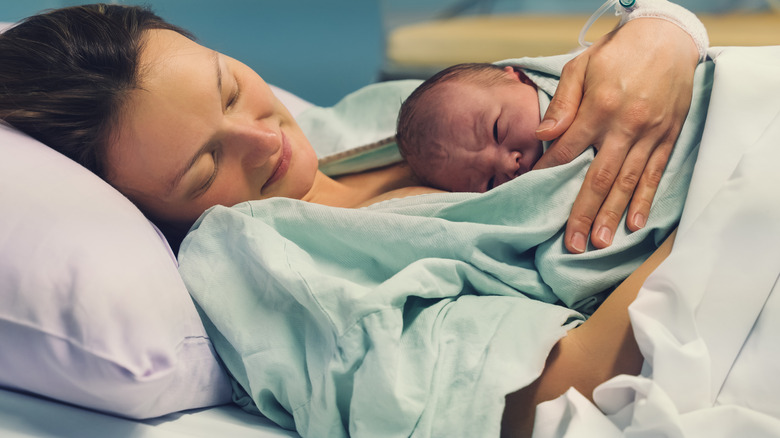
{"x":485,"y":134}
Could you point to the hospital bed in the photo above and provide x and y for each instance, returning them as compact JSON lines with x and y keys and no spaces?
{"x":46,"y":357}
{"x":707,"y":327}
{"x":25,"y":415}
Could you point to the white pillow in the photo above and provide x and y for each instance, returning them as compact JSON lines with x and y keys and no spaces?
{"x":92,"y":309}
{"x":295,"y":105}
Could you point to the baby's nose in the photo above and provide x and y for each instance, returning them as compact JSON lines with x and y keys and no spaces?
{"x":513,"y":163}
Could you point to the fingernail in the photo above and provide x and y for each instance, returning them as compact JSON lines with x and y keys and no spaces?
{"x":578,"y":242}
{"x":545,"y":125}
{"x":605,"y":235}
{"x":640,"y":220}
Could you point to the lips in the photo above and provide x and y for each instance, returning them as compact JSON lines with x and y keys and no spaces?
{"x":528,"y":160}
{"x":282,"y":164}
{"x":523,"y":168}
{"x":531,"y":157}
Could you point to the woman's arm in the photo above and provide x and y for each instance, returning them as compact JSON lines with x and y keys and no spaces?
{"x":627,"y":95}
{"x":601,"y":348}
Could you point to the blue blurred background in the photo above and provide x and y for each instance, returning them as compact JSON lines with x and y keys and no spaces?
{"x":322,"y":49}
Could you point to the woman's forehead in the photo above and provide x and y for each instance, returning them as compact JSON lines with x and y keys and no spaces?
{"x":168,"y":115}
{"x":165,"y":49}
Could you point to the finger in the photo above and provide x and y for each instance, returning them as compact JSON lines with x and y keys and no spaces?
{"x":639,"y":210}
{"x":565,"y":102}
{"x":598,"y":182}
{"x":571,"y":144}
{"x":611,"y":212}
{"x":562,"y":151}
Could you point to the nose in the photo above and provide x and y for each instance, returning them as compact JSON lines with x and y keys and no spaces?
{"x":512,"y":164}
{"x":255,"y":142}
{"x":509,"y":167}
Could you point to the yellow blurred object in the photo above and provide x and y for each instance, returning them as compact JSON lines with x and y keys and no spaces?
{"x":488,"y":38}
{"x":430,"y":46}
{"x":743,"y":29}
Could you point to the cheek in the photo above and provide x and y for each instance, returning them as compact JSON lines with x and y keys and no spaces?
{"x":304,"y":163}
{"x":451,"y":180}
{"x":306,"y":177}
{"x":225,"y":191}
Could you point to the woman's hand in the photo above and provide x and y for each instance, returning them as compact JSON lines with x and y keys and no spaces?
{"x":627,"y":95}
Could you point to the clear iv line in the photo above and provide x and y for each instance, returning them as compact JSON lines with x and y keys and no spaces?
{"x":596,"y":15}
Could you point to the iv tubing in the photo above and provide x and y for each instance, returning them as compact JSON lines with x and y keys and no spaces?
{"x":599,"y":12}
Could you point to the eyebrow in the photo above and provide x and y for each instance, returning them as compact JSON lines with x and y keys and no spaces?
{"x":180,"y":174}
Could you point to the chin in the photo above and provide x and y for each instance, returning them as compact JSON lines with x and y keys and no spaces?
{"x":302,"y":184}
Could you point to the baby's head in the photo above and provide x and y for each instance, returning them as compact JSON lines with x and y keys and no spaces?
{"x":470,"y":127}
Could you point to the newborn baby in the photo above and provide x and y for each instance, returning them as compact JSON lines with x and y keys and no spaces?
{"x":471,"y":127}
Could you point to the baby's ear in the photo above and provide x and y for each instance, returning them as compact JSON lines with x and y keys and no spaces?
{"x":518,"y":74}
{"x":512,"y":72}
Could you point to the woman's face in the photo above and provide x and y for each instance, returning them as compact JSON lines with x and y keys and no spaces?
{"x":204,"y":129}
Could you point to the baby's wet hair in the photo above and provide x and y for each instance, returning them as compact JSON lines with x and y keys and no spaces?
{"x":413,"y":129}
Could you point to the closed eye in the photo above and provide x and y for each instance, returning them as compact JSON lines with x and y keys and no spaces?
{"x":234,"y":96}
{"x":207,"y":184}
{"x":495,"y":131}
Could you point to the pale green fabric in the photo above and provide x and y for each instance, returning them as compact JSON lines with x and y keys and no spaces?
{"x":415,"y":316}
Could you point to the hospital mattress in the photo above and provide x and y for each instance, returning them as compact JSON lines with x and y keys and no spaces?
{"x":24,"y":415}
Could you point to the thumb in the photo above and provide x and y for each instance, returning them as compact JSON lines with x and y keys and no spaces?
{"x":565,"y":102}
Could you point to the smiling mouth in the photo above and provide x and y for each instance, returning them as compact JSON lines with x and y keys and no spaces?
{"x":282,"y":165}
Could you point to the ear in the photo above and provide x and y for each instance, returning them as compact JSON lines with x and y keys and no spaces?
{"x":512,"y":72}
{"x":517,"y":74}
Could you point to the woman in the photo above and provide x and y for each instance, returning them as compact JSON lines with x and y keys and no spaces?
{"x":179,"y":128}
{"x":91,"y":121}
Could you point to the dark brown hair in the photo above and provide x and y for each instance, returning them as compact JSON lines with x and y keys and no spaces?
{"x":65,"y":75}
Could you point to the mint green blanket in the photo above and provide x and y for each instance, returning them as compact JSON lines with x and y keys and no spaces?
{"x":415,"y":316}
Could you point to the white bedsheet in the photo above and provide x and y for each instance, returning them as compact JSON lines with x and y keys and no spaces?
{"x":707,"y":320}
{"x":23,"y":415}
